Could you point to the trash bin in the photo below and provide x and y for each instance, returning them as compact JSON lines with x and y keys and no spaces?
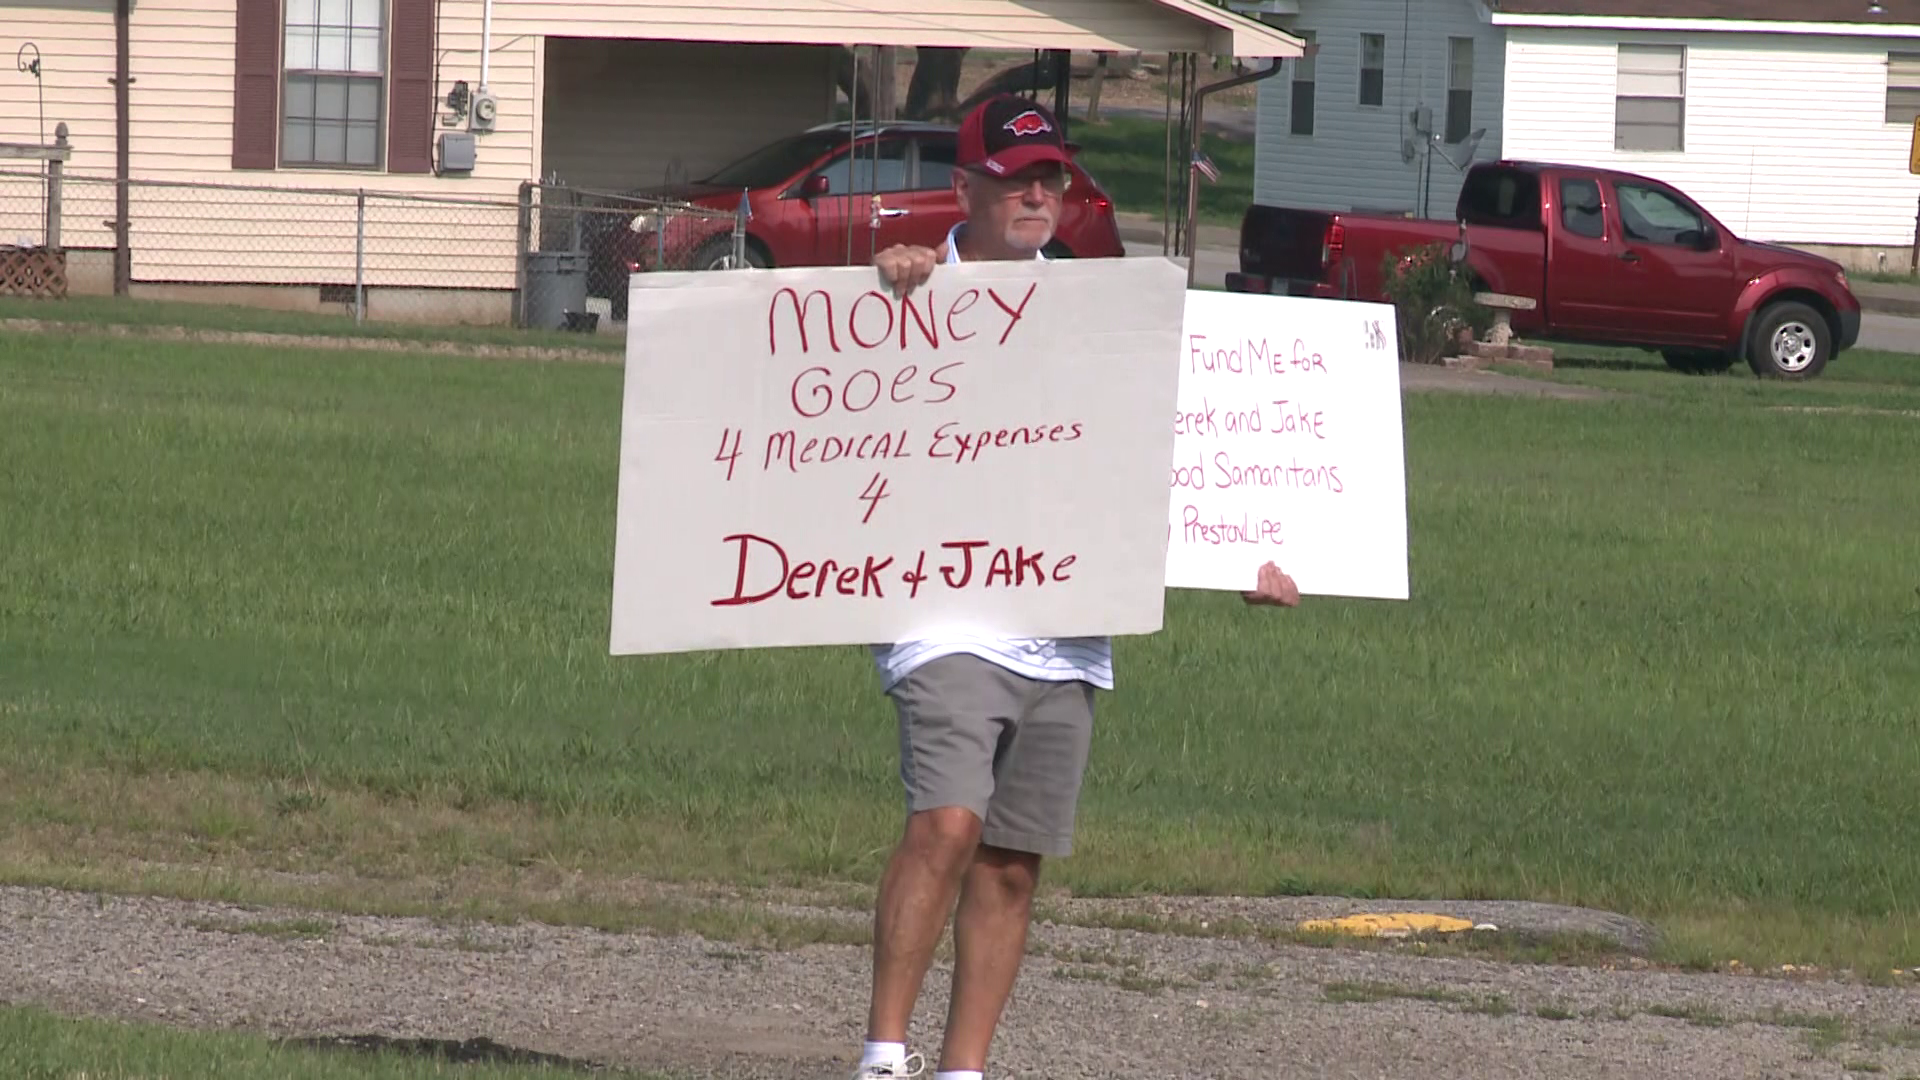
{"x":556,"y":286}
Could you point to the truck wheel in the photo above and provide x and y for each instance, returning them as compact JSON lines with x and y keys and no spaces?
{"x":1697,"y":361}
{"x":1790,"y":341}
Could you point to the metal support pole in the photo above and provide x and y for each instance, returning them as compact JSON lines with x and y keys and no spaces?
{"x":740,"y":216}
{"x":122,"y":80}
{"x":360,"y":256}
{"x":522,"y":244}
{"x":853,"y":148}
{"x":1062,"y":84}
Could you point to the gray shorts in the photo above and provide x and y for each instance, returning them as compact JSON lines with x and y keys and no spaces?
{"x":1009,"y":748}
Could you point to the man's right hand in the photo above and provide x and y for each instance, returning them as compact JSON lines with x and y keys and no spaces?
{"x":906,"y":267}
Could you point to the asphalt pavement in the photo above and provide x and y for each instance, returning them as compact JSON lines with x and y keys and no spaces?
{"x":1894,"y":333}
{"x":1214,"y":263}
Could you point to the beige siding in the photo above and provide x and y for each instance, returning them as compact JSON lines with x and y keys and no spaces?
{"x":181,"y":115}
{"x":618,"y":128}
{"x":1786,"y":134}
{"x":1124,"y":25}
{"x":604,"y":127}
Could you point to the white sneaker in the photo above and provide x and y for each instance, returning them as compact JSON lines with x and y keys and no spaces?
{"x":914,"y":1065}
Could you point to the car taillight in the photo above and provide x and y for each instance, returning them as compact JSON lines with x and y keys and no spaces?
{"x":1334,"y":248}
{"x":1101,"y":202}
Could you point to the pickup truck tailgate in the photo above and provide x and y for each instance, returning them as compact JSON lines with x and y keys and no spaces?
{"x":1283,"y":243}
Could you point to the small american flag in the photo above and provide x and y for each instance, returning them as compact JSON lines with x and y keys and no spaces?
{"x":1206,"y":167}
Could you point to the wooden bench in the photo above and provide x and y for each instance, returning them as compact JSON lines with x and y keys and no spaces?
{"x":1503,"y":305}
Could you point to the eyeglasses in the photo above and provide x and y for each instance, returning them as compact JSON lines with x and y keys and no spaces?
{"x":1008,"y":187}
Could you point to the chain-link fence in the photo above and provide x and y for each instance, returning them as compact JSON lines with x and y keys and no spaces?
{"x":555,"y":258}
{"x":583,"y":246}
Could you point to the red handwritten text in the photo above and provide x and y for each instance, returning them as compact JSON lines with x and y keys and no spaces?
{"x":875,"y":319}
{"x":1227,"y":474}
{"x":876,"y":490}
{"x":1209,"y":420}
{"x":805,"y":580}
{"x":861,"y":390}
{"x":1296,"y":418}
{"x":968,"y":446}
{"x":728,"y":454}
{"x":963,"y":564}
{"x":1248,"y":530}
{"x":1249,"y":356}
{"x":786,"y":446}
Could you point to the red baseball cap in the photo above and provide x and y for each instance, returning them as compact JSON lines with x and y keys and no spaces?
{"x":1007,"y":133}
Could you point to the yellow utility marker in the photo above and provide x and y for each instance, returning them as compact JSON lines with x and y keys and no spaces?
{"x":1402,"y":924}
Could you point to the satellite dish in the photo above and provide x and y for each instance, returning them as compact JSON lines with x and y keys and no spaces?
{"x":1469,"y":148}
{"x":1472,"y":145}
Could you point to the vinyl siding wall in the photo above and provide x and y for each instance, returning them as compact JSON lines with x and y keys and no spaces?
{"x":181,"y":132}
{"x":1354,"y":159}
{"x":1786,"y":135}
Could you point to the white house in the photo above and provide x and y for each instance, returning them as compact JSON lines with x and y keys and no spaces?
{"x":1383,"y":115}
{"x":1791,"y":121}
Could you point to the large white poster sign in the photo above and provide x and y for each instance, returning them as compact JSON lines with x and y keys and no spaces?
{"x":1288,"y":447}
{"x":807,"y":460}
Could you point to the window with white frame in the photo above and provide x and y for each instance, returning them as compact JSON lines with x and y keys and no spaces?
{"x":335,"y":63}
{"x":1301,"y":108}
{"x":1373,"y":69}
{"x":1650,"y":102}
{"x":1459,"y":89}
{"x":1903,"y":88}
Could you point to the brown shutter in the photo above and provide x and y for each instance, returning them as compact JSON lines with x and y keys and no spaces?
{"x":410,"y":92}
{"x":256,"y":84}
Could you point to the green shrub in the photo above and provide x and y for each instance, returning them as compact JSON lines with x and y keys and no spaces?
{"x":1433,"y":300}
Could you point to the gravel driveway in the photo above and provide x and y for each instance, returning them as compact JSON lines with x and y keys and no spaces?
{"x":1092,"y":1002}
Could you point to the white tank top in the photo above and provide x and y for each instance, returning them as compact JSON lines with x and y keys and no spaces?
{"x":1089,"y":659}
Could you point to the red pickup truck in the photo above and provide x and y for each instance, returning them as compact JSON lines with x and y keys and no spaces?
{"x":1608,"y":258}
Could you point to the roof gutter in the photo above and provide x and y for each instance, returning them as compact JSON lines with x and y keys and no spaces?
{"x":1235,"y":34}
{"x":1709,"y":26}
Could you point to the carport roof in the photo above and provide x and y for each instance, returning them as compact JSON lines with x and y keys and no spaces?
{"x":1102,"y":25}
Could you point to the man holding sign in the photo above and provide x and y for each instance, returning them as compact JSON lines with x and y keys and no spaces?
{"x":994,"y":731}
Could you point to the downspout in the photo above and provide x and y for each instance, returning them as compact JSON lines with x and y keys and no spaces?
{"x":1193,"y":150}
{"x":486,"y":44}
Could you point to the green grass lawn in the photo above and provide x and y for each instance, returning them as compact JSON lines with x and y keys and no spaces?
{"x":119,"y":311}
{"x":1856,"y":379}
{"x":1127,"y":156}
{"x":38,"y":1045}
{"x":348,"y":611}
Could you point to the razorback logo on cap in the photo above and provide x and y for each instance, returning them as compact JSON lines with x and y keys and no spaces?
{"x":1028,"y":123}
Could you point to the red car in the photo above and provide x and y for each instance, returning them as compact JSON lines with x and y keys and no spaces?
{"x":1608,"y":257}
{"x":820,"y":198}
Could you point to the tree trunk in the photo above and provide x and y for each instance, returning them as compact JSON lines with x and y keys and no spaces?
{"x":934,"y":91}
{"x":886,"y":83}
{"x":1093,"y":88}
{"x":1015,"y":80}
{"x":860,"y":96}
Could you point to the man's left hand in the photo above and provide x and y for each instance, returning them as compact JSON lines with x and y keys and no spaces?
{"x":905,"y":267}
{"x":1274,"y":589}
